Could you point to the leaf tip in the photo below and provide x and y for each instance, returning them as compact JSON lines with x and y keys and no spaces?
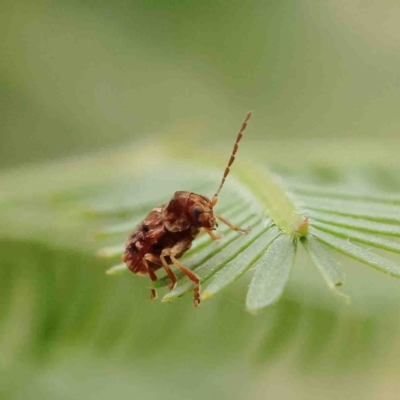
{"x":166,"y":299}
{"x":117,"y":269}
{"x":205,"y":296}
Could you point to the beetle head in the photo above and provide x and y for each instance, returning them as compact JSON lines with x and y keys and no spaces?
{"x":201,"y":212}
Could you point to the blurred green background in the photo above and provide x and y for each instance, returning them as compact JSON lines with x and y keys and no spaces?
{"x":81,"y":80}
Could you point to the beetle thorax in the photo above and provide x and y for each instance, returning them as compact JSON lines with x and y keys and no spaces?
{"x":187,"y":210}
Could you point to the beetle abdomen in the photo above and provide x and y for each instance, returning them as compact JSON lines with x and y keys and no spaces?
{"x":141,"y":241}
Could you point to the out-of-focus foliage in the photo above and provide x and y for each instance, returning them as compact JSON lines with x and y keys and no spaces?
{"x":82,"y":76}
{"x":79,"y":75}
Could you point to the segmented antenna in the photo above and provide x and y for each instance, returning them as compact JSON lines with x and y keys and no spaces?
{"x":232,"y":159}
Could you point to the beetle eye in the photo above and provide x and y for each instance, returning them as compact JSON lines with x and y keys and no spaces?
{"x":196,"y":212}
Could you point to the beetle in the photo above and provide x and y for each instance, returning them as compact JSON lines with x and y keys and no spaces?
{"x":169,"y":230}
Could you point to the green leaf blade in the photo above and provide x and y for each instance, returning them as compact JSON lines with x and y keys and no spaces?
{"x":343,"y":193}
{"x":361,"y":237}
{"x":324,"y":262}
{"x":238,"y":266}
{"x":111,"y":251}
{"x":374,"y":212}
{"x":272,"y":274}
{"x":117,"y":269}
{"x":358,"y":253}
{"x":357,"y":223}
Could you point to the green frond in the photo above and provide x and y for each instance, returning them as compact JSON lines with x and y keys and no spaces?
{"x":281,"y":213}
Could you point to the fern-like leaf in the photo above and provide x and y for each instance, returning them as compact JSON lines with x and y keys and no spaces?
{"x":282,"y":213}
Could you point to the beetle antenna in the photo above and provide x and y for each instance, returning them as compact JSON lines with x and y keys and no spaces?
{"x":232,"y":159}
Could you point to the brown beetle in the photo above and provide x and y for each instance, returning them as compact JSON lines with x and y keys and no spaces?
{"x":169,"y":230}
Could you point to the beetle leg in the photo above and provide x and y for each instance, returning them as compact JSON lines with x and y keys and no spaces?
{"x":170,"y":273}
{"x":152,"y":274}
{"x":214,"y":235}
{"x":233,"y":227}
{"x":179,"y":248}
{"x":192,"y":276}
